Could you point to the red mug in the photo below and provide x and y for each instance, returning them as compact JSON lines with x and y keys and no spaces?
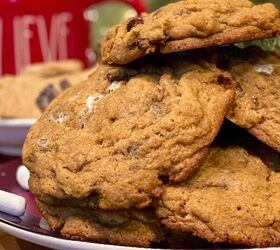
{"x":45,"y":30}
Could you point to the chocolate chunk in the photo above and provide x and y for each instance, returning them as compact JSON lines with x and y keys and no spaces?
{"x":226,"y":81}
{"x":122,"y":75}
{"x":164,"y":179}
{"x":239,"y":91}
{"x":64,"y":84}
{"x":46,"y":97}
{"x":113,"y":76}
{"x":134,"y":22}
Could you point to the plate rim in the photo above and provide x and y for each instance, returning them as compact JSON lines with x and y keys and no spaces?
{"x":15,"y":122}
{"x":63,"y":244}
{"x":59,"y":243}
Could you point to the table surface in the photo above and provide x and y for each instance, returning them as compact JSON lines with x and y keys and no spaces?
{"x":8,"y":242}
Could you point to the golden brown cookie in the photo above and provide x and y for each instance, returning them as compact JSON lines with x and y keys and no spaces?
{"x":234,"y":198}
{"x":28,"y":95}
{"x":189,"y":24}
{"x":138,"y":228}
{"x":258,"y":94}
{"x":233,"y":135}
{"x":116,"y":138}
{"x":52,"y":69}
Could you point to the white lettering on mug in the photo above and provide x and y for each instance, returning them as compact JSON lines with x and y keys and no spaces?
{"x":48,"y":44}
{"x":64,"y":32}
{"x":53,"y":44}
{"x":1,"y":46}
{"x":22,"y":37}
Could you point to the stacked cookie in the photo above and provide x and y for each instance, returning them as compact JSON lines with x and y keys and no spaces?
{"x":129,"y":156}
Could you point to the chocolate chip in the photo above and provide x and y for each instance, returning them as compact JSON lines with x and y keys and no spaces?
{"x":239,"y":91}
{"x":124,"y":75}
{"x":164,"y":179}
{"x":46,"y":97}
{"x":64,"y":84}
{"x":224,"y":80}
{"x":113,"y":76}
{"x":134,"y":22}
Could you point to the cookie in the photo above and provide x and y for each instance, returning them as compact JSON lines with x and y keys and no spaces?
{"x":28,"y":95}
{"x":115,"y":139}
{"x":233,"y":198}
{"x":187,"y":25}
{"x":257,"y":107}
{"x":52,"y":69}
{"x":233,"y":135}
{"x":126,"y":228}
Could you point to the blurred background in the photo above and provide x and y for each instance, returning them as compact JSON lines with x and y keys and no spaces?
{"x":105,"y":15}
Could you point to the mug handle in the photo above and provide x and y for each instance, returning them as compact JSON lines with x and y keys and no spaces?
{"x":138,"y":5}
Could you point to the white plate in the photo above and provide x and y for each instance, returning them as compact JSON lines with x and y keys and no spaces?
{"x":12,"y":135}
{"x":58,"y":243}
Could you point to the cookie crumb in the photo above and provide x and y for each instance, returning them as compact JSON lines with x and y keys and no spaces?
{"x":42,"y":143}
{"x":59,"y":118}
{"x":113,"y":87}
{"x":91,"y":100}
{"x":264,"y":68}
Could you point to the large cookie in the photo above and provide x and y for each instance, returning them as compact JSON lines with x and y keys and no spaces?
{"x":127,"y":228}
{"x":189,"y":24}
{"x":116,"y":138}
{"x":258,"y":94}
{"x":28,"y":95}
{"x":232,"y":198}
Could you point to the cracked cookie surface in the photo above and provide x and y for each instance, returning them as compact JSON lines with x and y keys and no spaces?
{"x":257,"y":106}
{"x":128,"y":228}
{"x":190,"y":24}
{"x":232,"y":198}
{"x":114,"y":140}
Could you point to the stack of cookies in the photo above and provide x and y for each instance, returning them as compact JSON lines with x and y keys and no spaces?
{"x":141,"y":154}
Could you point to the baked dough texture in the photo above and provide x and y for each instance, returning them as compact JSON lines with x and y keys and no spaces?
{"x":234,"y":198}
{"x":257,"y":106}
{"x":189,"y":24}
{"x":127,"y":228}
{"x":113,"y":141}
